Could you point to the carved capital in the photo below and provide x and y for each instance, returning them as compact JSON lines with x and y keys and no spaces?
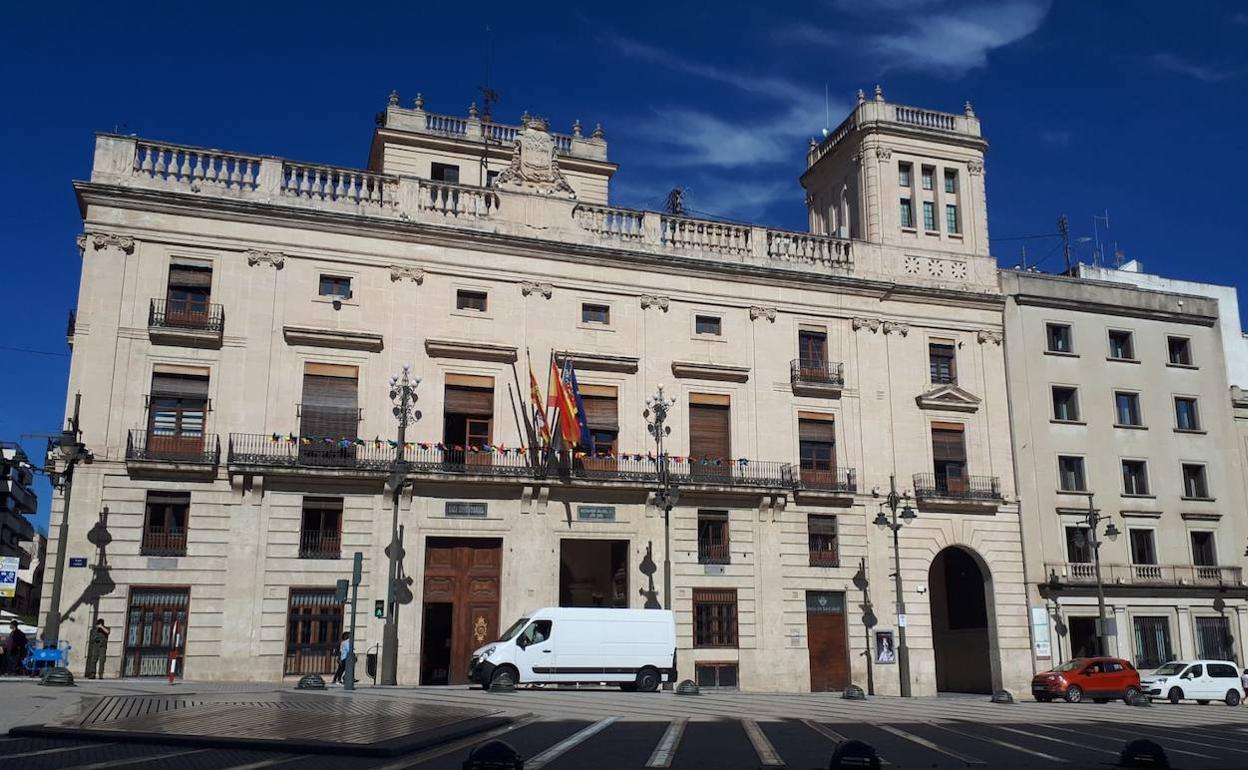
{"x":985,"y":336}
{"x":648,"y":301}
{"x":101,"y":241}
{"x":870,"y":324}
{"x":402,"y":273}
{"x":896,"y":327}
{"x":275,"y":259}
{"x":975,"y":166}
{"x":884,"y":153}
{"x":757,"y":312}
{"x":530,"y":287}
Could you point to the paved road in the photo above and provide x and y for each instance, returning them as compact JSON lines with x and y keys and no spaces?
{"x":566,"y":730}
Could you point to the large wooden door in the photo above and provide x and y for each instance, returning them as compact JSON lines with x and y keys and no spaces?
{"x":465,"y":573}
{"x":828,"y":641}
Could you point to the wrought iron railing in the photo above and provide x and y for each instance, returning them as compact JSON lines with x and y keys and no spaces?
{"x":189,"y":316}
{"x":287,"y":451}
{"x":150,"y":446}
{"x":713,"y":553}
{"x":1084,"y":573}
{"x":933,"y":485}
{"x":163,"y":541}
{"x":467,"y":461}
{"x":826,"y":374}
{"x":831,"y":480}
{"x":320,"y":544}
{"x":681,"y":470}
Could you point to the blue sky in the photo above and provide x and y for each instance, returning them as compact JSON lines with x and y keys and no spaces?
{"x":1129,"y":107}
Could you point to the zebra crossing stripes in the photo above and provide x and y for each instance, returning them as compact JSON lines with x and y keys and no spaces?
{"x":925,"y":743}
{"x":666,"y":748}
{"x":567,"y":744}
{"x":1002,"y":744}
{"x":762,"y":747}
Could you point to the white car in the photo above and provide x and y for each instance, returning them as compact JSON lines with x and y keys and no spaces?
{"x":1198,"y":680}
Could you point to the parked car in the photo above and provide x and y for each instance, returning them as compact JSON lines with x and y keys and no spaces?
{"x":1100,"y":679}
{"x":1198,"y":680}
{"x":635,"y":649}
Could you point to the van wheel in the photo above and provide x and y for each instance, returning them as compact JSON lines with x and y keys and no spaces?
{"x":1074,"y":694}
{"x":647,"y":679}
{"x":1232,"y":698}
{"x":1175,"y":695}
{"x":1130,"y":695}
{"x":505,"y":676}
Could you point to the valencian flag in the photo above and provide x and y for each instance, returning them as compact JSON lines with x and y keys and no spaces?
{"x":565,"y":406}
{"x":582,"y":423}
{"x":539,"y":409}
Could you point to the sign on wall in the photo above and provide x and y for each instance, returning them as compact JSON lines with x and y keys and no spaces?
{"x":1040,"y":632}
{"x":595,"y":512}
{"x":459,"y":508}
{"x":9,"y":566}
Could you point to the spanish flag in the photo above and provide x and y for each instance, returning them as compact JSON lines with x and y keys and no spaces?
{"x":539,"y":409}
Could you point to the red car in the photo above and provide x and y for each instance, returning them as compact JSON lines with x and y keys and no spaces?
{"x":1100,"y":679}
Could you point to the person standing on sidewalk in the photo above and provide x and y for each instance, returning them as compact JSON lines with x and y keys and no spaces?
{"x":14,"y":650}
{"x":97,"y":649}
{"x":344,"y":649}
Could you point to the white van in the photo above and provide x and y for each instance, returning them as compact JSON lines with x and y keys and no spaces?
{"x":1198,"y":680}
{"x":635,"y":649}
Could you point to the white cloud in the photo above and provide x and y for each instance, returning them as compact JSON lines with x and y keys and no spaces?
{"x":762,"y":85}
{"x":1180,"y":66}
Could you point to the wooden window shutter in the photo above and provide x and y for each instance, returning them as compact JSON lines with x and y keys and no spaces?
{"x":182,"y":385}
{"x":710,"y":432}
{"x":330,"y":406}
{"x":948,"y":445}
{"x":478,"y":402}
{"x":601,"y":412}
{"x":187,"y":275}
{"x":816,"y":430}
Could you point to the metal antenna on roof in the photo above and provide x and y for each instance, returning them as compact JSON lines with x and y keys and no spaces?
{"x":675,"y":201}
{"x":1098,"y":257}
{"x":489,"y":97}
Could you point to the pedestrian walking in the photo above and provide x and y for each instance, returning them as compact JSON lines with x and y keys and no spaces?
{"x":97,"y":648}
{"x":1243,"y":680}
{"x":344,"y":649}
{"x":14,"y":649}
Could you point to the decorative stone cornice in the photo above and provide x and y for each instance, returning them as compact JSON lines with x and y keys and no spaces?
{"x":870,"y":324}
{"x":601,"y":362}
{"x":985,"y":336}
{"x":948,"y":398}
{"x":404,"y":273}
{"x":101,"y":241}
{"x":276,"y":259}
{"x":529,"y":287}
{"x":649,"y":300}
{"x":975,"y":166}
{"x":757,"y":312}
{"x":333,"y":338}
{"x":699,"y":371}
{"x":471,"y":351}
{"x":896,"y":327}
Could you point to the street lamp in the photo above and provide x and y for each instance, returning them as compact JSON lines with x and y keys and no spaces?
{"x":892,"y":502}
{"x":72,"y":451}
{"x":1093,"y":520}
{"x":403,"y":394}
{"x":657,"y":409}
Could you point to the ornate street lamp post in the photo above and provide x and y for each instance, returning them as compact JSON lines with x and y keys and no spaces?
{"x":72,"y":451}
{"x":892,"y":502}
{"x":403,"y":394}
{"x":657,"y":409}
{"x":1093,"y":520}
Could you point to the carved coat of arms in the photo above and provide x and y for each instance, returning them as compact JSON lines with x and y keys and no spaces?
{"x":534,"y":163}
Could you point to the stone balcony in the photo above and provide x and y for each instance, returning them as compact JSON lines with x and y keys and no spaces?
{"x":876,"y":112}
{"x":1151,"y":575}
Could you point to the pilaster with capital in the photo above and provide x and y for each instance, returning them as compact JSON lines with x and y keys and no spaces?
{"x":274,"y":259}
{"x":757,"y":312}
{"x":530,"y":287}
{"x":407,"y":273}
{"x":984,"y":336}
{"x":101,"y":241}
{"x":650,"y":300}
{"x":896,"y":327}
{"x":870,"y":324}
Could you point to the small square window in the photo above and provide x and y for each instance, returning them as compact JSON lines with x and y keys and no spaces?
{"x":929,"y":216}
{"x":466,"y":299}
{"x":903,"y":174}
{"x":336,"y":286}
{"x":1186,"y":415}
{"x":1059,"y":339}
{"x":444,"y":172}
{"x":1070,"y":474}
{"x":1121,"y":346}
{"x":907,"y":213}
{"x":1134,"y":477}
{"x":951,"y":182}
{"x":942,"y":363}
{"x":707,"y":324}
{"x":1065,"y":404}
{"x":713,"y":546}
{"x":595,"y":314}
{"x":1127,"y":409}
{"x":1194,"y":482}
{"x":929,"y":177}
{"x":490,"y":176}
{"x":1180,"y":349}
{"x":1203,"y":551}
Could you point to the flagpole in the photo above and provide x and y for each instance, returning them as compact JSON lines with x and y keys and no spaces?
{"x":556,"y":430}
{"x":528,"y":429}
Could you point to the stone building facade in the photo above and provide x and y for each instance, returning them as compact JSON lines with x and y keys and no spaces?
{"x":240,"y":318}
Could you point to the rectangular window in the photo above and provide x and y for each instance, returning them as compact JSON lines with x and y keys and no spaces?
{"x":444,"y":172}
{"x":929,"y":216}
{"x":320,"y":536}
{"x":812,"y":352}
{"x":951,"y":219}
{"x":949,"y":460}
{"x":904,"y":174}
{"x":1152,"y":642}
{"x":330,"y":408}
{"x":313,"y":631}
{"x":188,"y":294}
{"x":951,"y":181}
{"x":1143,"y":547}
{"x":816,"y":440}
{"x":336,"y":286}
{"x":595,"y":314}
{"x":1058,"y":337}
{"x":155,"y":627}
{"x":1180,"y":349}
{"x":1078,"y":545}
{"x":602,"y":417}
{"x":942,"y":363}
{"x":466,"y":299}
{"x":821,"y":537}
{"x":1186,"y":416}
{"x":1070,"y":474}
{"x":709,"y":436}
{"x":714,"y":617}
{"x":707,"y":324}
{"x":713,"y":537}
{"x":1203,"y":553}
{"x":164,"y":524}
{"x":1194,"y":483}
{"x":490,"y":176}
{"x":1213,"y":639}
{"x":907,"y":213}
{"x":176,"y":410}
{"x":1127,"y":409}
{"x":929,"y":178}
{"x":718,"y":676}
{"x":1065,"y":403}
{"x":1121,"y":346}
{"x":1134,"y":477}
{"x":467,"y":419}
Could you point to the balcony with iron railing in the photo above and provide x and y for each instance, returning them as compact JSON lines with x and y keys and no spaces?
{"x":833,"y":480}
{"x":180,"y":322}
{"x":947,"y":488}
{"x":320,"y":544}
{"x":816,"y":375}
{"x":713,"y":553}
{"x":1157,"y":575}
{"x":163,"y":541}
{"x":195,"y":453}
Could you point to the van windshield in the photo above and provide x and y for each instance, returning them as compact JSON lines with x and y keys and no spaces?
{"x":515,"y":629}
{"x":1170,"y":669}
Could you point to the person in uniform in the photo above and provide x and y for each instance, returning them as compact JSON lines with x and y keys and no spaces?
{"x":97,"y":648}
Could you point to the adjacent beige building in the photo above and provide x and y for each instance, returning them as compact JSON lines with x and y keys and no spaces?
{"x":1119,"y":401}
{"x":240,"y":318}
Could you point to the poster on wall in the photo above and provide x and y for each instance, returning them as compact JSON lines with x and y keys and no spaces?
{"x":1040,"y":633}
{"x":885,"y":650}
{"x":9,"y":566}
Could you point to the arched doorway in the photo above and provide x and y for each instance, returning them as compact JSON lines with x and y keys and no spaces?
{"x":963,"y":627}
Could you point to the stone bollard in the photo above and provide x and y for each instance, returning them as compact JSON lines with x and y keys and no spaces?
{"x":57,"y":677}
{"x":310,"y":682}
{"x":688,"y":687}
{"x":854,"y":754}
{"x":1143,"y":753}
{"x":854,"y":692}
{"x":493,"y":755}
{"x":1002,"y":696}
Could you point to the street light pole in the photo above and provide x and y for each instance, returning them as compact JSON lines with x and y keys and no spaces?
{"x":892,"y":502}
{"x":73,"y":451}
{"x":403,"y":394}
{"x":1094,"y":519}
{"x":657,"y":408}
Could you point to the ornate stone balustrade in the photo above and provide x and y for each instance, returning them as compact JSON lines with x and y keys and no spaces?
{"x":873,"y":113}
{"x":475,"y":128}
{"x":342,"y":185}
{"x":195,"y":166}
{"x":610,"y":223}
{"x":455,"y":200}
